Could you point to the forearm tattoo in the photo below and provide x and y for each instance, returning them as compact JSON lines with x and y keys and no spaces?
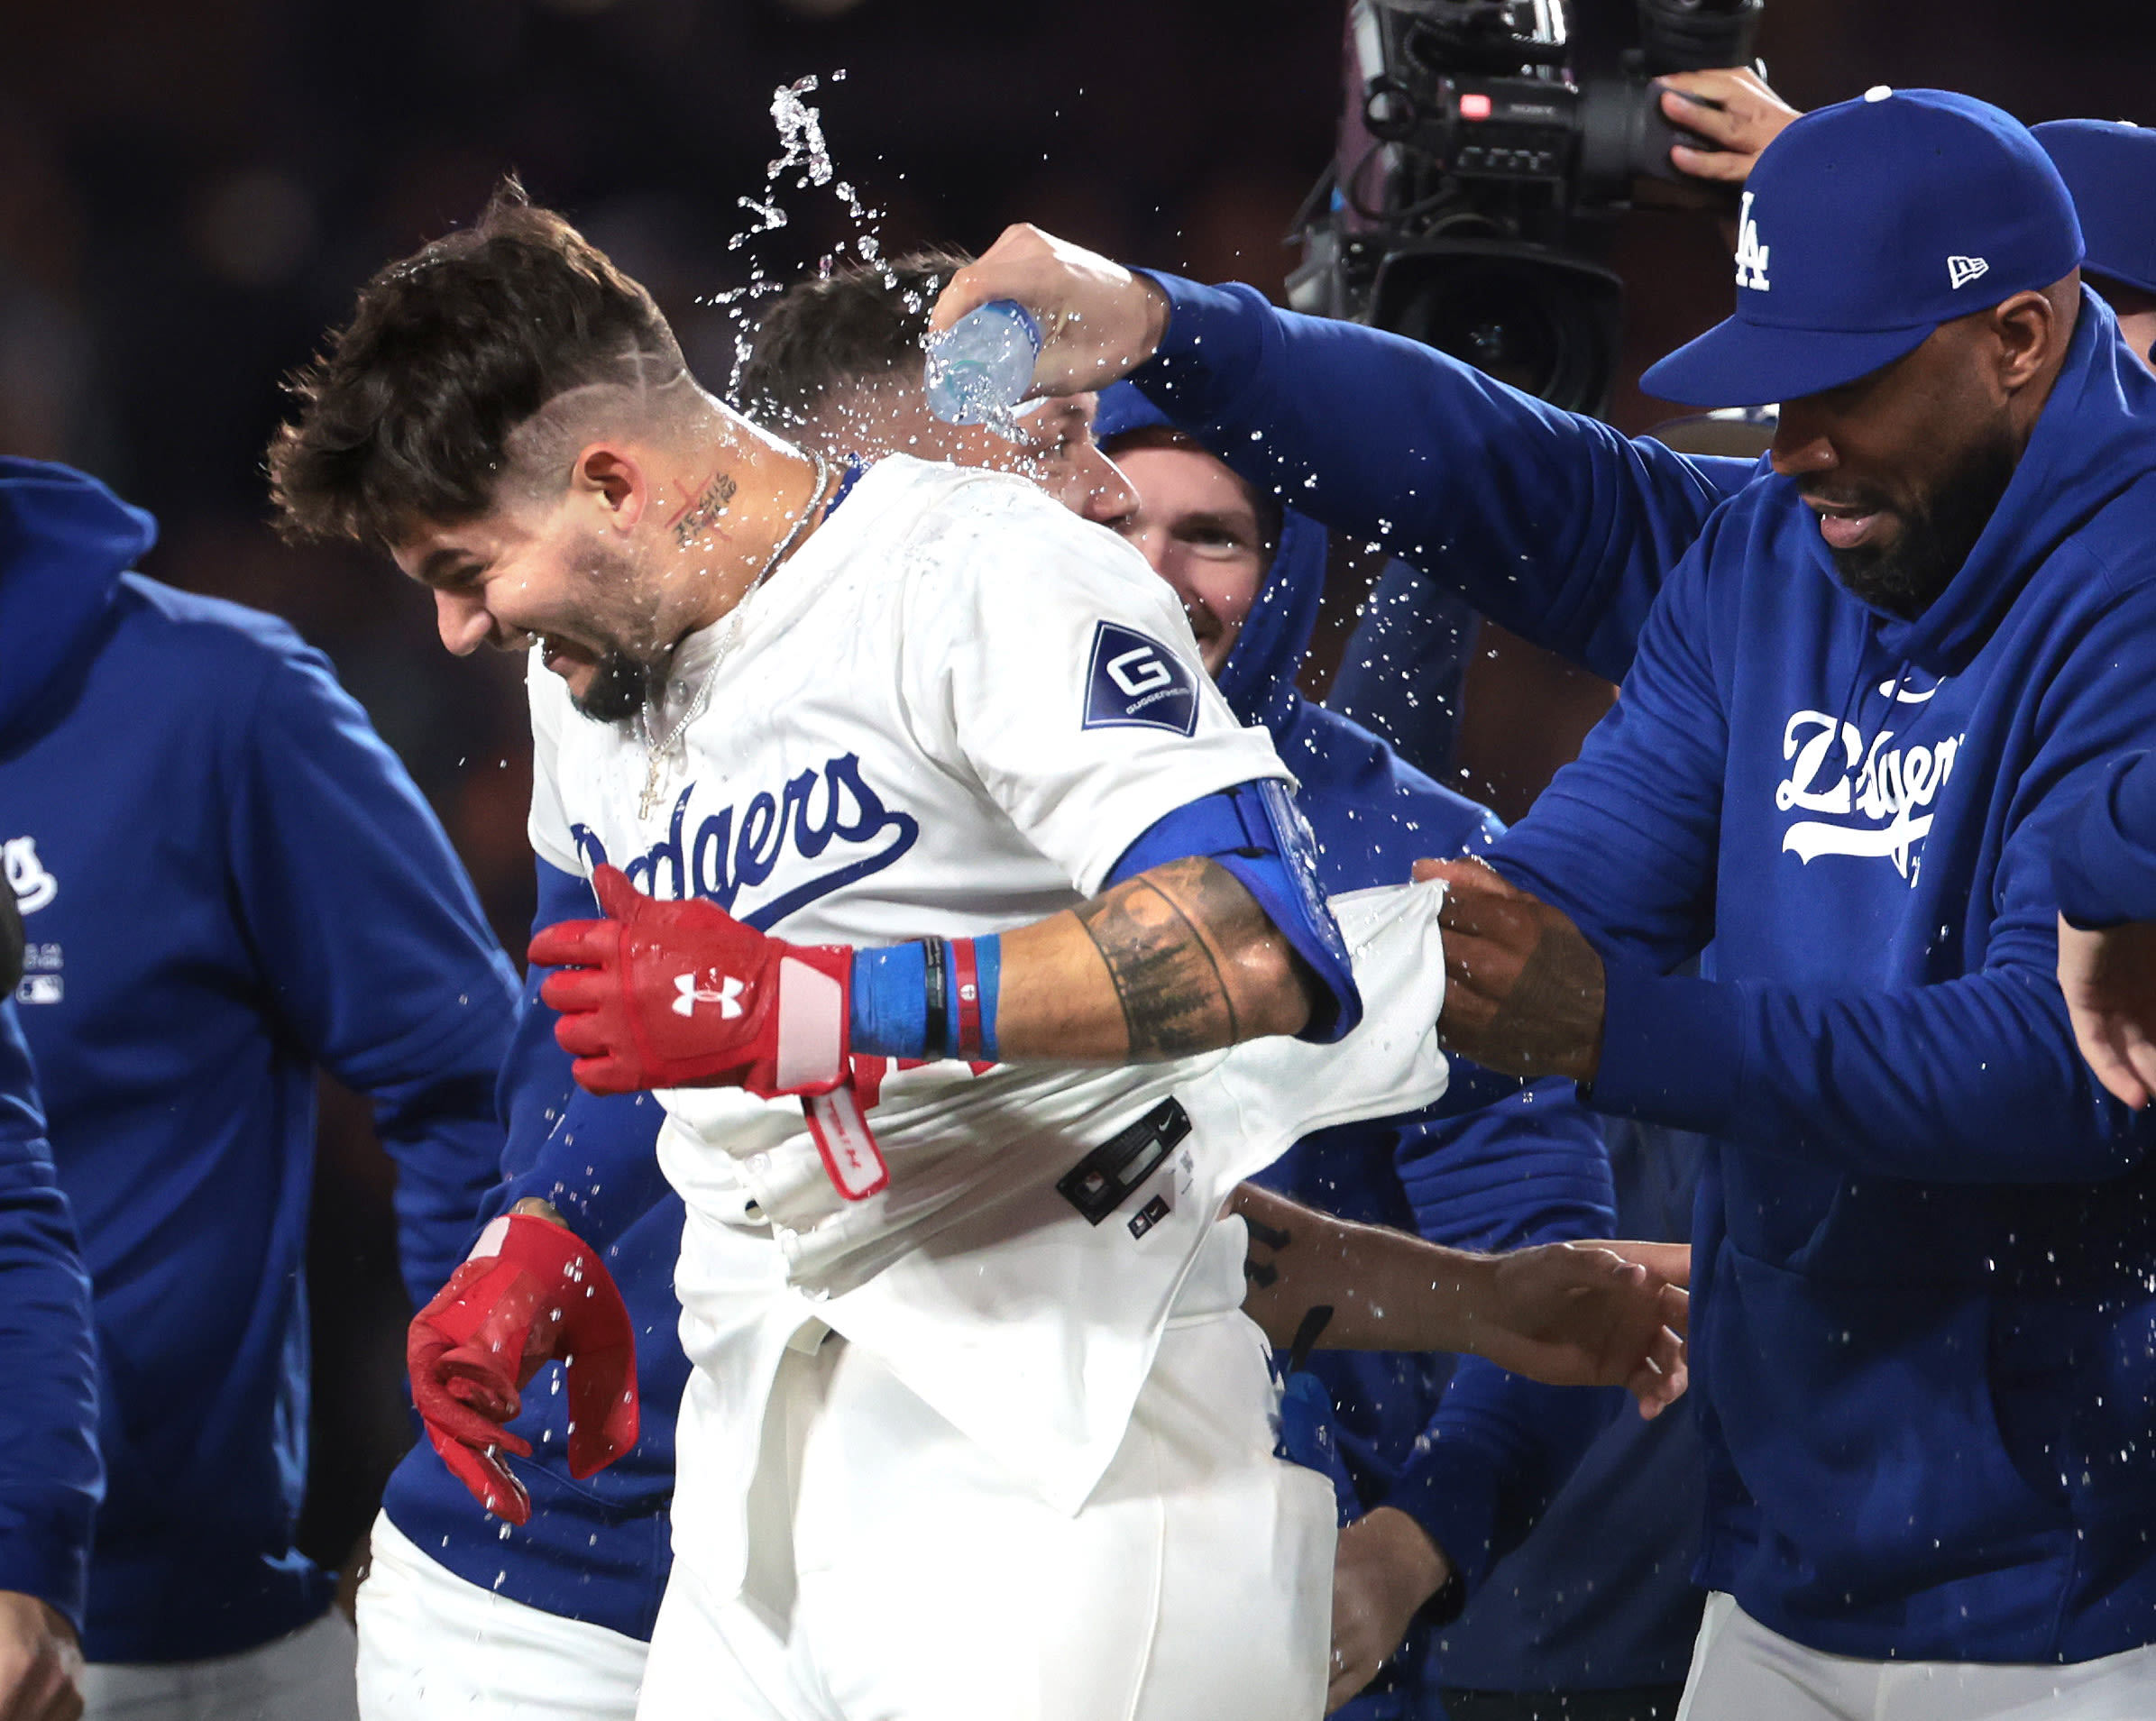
{"x":1150,"y":931}
{"x":1272,"y":1240}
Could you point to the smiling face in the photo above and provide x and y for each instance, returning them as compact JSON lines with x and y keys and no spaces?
{"x":1904,"y":467}
{"x":648,"y":539}
{"x":527,"y":571}
{"x":1197,"y":524}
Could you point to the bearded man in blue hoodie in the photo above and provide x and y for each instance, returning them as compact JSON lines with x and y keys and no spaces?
{"x":1855,"y":717}
{"x":227,"y":883}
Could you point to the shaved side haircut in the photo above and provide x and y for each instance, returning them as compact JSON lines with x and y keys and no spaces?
{"x":413,"y":413}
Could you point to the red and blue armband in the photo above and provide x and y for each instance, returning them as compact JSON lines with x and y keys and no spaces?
{"x":1256,"y":832}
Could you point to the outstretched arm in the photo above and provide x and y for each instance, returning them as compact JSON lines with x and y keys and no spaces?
{"x":1569,"y":1314}
{"x":1552,"y":523}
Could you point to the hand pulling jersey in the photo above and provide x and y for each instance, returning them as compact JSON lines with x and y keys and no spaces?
{"x":951,"y":712}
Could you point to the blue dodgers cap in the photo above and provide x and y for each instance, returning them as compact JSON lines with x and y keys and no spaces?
{"x":1865,"y":226}
{"x":2110,"y":170}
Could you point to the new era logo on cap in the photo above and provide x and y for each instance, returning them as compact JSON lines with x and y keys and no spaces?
{"x":1962,"y":271}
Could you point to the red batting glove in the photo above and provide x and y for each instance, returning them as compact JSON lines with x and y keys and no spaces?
{"x":530,"y":1292}
{"x":682,"y":995}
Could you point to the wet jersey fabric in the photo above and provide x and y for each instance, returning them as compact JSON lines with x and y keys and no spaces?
{"x":254,"y":890}
{"x":50,"y":1479}
{"x":955,"y":710}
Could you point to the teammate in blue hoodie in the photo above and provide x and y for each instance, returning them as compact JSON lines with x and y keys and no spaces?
{"x":1856,"y":720}
{"x":227,"y":883}
{"x":50,"y":1476}
{"x":1587,"y":1608}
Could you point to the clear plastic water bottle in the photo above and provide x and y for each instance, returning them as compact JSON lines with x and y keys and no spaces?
{"x":979,"y":369}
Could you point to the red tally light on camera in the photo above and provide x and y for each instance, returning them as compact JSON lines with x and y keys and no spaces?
{"x":1475,"y":107}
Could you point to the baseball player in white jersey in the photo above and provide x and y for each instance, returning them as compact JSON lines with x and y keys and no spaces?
{"x":977,"y":1426}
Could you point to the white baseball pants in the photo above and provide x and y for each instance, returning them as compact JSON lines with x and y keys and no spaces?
{"x":1742,"y":1672}
{"x":898,"y":1572}
{"x":433,"y":1647}
{"x":303,"y":1676}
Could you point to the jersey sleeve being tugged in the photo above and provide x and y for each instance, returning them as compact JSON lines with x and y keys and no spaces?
{"x":379,"y":959}
{"x":1549,"y":522}
{"x":1042,"y":658}
{"x":51,"y":1478}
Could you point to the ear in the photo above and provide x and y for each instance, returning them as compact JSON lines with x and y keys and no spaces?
{"x":612,"y":480}
{"x":2032,"y":333}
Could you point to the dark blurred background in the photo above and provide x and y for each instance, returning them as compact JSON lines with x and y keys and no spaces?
{"x":191,"y":190}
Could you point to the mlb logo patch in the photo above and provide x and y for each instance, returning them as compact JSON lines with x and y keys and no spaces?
{"x":1134,"y":682}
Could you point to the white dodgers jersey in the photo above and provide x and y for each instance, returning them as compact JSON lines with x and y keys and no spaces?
{"x":950,"y":713}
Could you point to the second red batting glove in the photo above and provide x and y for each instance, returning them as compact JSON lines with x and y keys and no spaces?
{"x":682,"y":995}
{"x":532,"y":1291}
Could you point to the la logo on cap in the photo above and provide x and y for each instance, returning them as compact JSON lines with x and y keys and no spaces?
{"x":1751,"y":255}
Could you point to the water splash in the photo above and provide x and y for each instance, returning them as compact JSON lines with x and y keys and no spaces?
{"x":805,"y":156}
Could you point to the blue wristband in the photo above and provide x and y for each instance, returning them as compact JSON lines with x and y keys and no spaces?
{"x":891,"y":990}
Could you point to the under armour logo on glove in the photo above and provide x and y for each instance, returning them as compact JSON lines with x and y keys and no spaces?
{"x":628,"y":994}
{"x":728,"y":997}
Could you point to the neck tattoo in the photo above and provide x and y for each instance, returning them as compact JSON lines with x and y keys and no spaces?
{"x":705,"y":510}
{"x":657,"y":752}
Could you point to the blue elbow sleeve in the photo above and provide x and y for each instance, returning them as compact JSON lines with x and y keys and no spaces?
{"x":1256,"y":833}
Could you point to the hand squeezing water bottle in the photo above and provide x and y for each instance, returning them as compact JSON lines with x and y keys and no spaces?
{"x":979,"y":369}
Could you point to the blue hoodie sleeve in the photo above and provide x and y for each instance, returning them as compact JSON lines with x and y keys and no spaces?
{"x":590,"y":1154}
{"x":1973,"y":1079}
{"x":1551,"y":523}
{"x":1530,"y":1169}
{"x":50,"y":1479}
{"x":377,"y":954}
{"x":2105,"y":869}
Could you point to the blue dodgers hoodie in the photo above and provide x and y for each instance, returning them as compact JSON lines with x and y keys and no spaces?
{"x":1923,"y":1255}
{"x":598,"y":1550}
{"x":226,"y":880}
{"x":1474,"y":1454}
{"x":51,"y":1479}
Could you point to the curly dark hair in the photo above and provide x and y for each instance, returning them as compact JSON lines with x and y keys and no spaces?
{"x":858,"y":325}
{"x":407,"y":417}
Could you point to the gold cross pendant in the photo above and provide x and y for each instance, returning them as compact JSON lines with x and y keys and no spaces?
{"x":651,"y":787}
